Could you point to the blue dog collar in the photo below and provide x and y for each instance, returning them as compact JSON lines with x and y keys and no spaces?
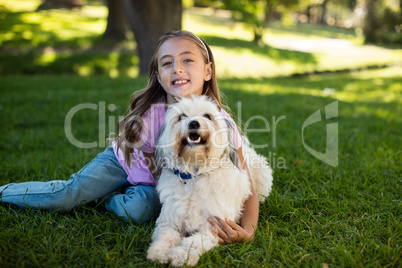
{"x":182,"y":176}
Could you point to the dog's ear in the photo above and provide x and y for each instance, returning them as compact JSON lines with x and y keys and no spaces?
{"x":231,"y":149}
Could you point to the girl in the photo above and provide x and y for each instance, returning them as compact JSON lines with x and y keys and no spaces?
{"x":183,"y":65}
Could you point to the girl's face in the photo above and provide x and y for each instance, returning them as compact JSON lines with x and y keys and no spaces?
{"x":181,"y":68}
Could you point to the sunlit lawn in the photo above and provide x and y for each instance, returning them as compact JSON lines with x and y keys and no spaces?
{"x":344,"y":216}
{"x":61,"y":41}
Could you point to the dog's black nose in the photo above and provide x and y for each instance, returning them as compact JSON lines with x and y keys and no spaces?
{"x":194,"y":124}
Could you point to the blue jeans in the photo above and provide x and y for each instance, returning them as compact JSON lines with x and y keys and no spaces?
{"x":98,"y":179}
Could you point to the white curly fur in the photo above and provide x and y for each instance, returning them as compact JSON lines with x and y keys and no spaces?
{"x":218,"y":186}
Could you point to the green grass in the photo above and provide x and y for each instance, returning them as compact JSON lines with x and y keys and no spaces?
{"x":344,"y":216}
{"x":347,"y":216}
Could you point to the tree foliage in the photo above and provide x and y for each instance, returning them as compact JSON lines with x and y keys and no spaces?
{"x":382,"y":22}
{"x":256,"y":13}
{"x":249,"y":12}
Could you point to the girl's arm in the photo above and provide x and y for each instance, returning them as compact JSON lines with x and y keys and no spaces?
{"x":232,"y":232}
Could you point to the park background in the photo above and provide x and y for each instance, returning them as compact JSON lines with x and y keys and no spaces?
{"x":275,"y":59}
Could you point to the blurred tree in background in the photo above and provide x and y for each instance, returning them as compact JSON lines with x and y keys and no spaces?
{"x":319,"y":11}
{"x":378,"y":20}
{"x":256,"y":13}
{"x":382,"y":21}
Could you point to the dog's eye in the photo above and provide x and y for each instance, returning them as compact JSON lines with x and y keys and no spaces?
{"x":182,"y":116}
{"x":207,"y":116}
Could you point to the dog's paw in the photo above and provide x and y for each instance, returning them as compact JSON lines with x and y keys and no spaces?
{"x":180,"y":256}
{"x":158,"y":254}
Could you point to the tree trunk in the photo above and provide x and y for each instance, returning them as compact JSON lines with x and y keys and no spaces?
{"x":400,"y":7}
{"x":117,"y":27}
{"x":324,"y":11}
{"x":269,"y":14}
{"x":308,"y":13}
{"x":258,"y":32}
{"x":149,"y":20}
{"x":371,"y":24}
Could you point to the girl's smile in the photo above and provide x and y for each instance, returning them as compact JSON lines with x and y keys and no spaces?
{"x":179,"y":82}
{"x":182,"y":70}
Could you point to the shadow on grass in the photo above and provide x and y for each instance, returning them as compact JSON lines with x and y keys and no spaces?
{"x":268,"y":52}
{"x":25,"y":33}
{"x":28,"y":48}
{"x":83,"y":63}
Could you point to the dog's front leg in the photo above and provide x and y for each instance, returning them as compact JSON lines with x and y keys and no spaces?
{"x":192,"y":247}
{"x":163,"y":239}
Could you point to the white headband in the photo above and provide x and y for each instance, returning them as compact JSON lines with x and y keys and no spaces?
{"x":205,"y":47}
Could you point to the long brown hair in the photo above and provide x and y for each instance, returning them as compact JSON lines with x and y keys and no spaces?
{"x":141,"y":101}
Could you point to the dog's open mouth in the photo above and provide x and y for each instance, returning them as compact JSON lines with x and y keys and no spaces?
{"x":193,"y":139}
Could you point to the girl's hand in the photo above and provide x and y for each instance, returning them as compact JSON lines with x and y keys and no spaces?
{"x":230,"y":231}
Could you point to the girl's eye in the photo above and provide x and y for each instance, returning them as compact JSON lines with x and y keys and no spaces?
{"x":207,"y":116}
{"x":166,"y":63}
{"x":188,"y":60}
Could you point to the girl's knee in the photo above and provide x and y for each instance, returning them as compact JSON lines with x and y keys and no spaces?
{"x":139,"y":203}
{"x":139,"y":213}
{"x":144,"y":214}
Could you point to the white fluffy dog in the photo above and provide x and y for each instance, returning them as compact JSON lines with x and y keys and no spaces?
{"x":199,"y":178}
